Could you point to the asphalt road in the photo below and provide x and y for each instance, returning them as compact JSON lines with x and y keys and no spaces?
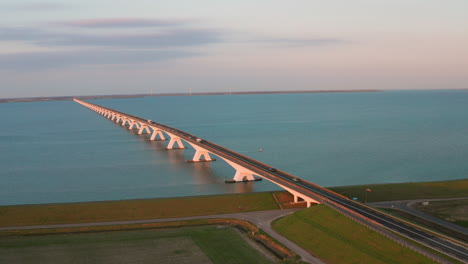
{"x":406,"y":205}
{"x":364,"y":213}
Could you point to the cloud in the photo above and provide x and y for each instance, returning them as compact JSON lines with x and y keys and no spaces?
{"x":160,"y":39}
{"x":124,"y":23}
{"x":45,"y":6}
{"x":88,"y":47}
{"x":302,"y":41}
{"x":33,"y":61}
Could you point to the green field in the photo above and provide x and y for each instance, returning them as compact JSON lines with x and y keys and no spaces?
{"x":405,"y":191}
{"x":337,"y":239}
{"x":185,"y":245}
{"x":134,"y":209}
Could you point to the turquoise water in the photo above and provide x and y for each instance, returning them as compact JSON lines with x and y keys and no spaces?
{"x":62,"y":152}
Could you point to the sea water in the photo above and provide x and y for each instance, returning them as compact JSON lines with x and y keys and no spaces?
{"x":60,"y":151}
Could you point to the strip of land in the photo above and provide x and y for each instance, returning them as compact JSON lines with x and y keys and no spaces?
{"x":405,"y":191}
{"x":87,"y":97}
{"x":91,"y":212}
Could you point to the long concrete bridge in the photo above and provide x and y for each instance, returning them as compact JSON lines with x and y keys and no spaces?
{"x":246,"y":168}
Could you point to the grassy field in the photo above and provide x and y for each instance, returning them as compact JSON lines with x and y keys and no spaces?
{"x":337,"y":239}
{"x":186,"y":245}
{"x":406,"y":191}
{"x":206,"y":205}
{"x":455,"y":211}
{"x":134,"y":209}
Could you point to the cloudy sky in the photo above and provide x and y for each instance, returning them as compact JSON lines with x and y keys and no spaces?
{"x":86,"y":47}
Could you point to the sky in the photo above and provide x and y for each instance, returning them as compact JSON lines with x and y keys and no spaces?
{"x":99,"y":47}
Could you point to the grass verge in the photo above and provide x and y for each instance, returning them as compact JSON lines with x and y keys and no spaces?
{"x":426,"y":224}
{"x":405,"y":191}
{"x":455,"y":211}
{"x":72,"y":213}
{"x":337,"y":239}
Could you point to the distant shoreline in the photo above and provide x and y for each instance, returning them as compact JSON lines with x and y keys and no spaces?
{"x":116,"y":96}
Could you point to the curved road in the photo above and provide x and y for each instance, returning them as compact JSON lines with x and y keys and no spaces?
{"x":406,"y":205}
{"x":359,"y":212}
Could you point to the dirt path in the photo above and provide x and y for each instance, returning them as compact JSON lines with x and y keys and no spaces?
{"x":262,"y":219}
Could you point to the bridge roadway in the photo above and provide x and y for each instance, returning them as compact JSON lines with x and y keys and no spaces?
{"x":355,"y":210}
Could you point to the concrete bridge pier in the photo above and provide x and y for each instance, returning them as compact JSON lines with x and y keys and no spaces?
{"x":124,"y":121}
{"x":157,"y":133}
{"x":119,"y":119}
{"x":133,"y":124}
{"x":143,"y":129}
{"x":309,"y":201}
{"x":242,"y":174}
{"x":201,"y":155}
{"x":175,"y":140}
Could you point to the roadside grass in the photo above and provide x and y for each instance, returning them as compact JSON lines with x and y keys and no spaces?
{"x":337,"y":239}
{"x":208,"y":244}
{"x":461,"y":223}
{"x":455,"y":211}
{"x":405,"y":191}
{"x":89,"y":212}
{"x":425,"y":224}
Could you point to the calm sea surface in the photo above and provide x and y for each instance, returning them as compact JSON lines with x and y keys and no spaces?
{"x":54,"y":152}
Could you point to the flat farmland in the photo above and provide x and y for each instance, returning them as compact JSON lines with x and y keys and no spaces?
{"x":184,"y":245}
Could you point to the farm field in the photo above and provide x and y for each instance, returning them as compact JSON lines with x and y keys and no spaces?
{"x":209,"y":244}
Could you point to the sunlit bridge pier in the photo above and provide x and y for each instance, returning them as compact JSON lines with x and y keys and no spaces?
{"x":303,"y":191}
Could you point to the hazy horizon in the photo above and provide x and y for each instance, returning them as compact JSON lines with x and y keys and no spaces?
{"x":57,"y":48}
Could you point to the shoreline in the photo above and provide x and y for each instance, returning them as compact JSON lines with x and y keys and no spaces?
{"x":222,"y":194}
{"x":120,"y":96}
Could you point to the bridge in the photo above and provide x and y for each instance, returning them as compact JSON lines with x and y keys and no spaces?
{"x":246,"y":168}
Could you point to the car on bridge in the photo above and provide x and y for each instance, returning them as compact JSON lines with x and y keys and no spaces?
{"x":296,"y":179}
{"x":272,"y":169}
